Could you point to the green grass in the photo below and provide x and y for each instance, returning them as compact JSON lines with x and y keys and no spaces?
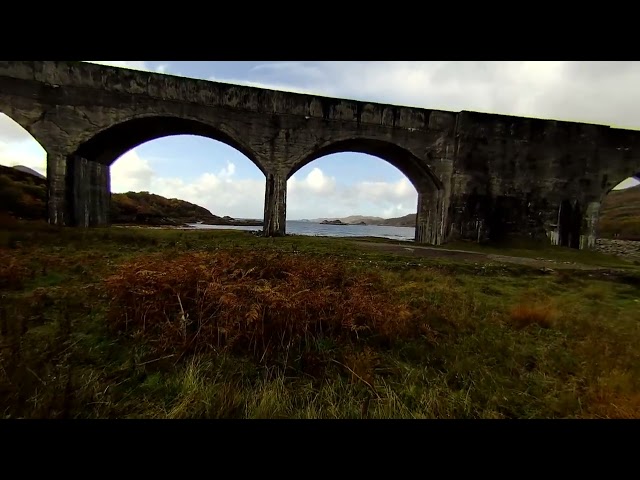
{"x":490,"y":341}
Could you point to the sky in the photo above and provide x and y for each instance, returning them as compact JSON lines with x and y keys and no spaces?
{"x":220,"y":178}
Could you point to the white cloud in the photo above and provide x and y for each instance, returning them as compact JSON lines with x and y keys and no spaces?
{"x":384,"y":190}
{"x":318,"y":195}
{"x":11,"y":131}
{"x":270,"y":86}
{"x":315,"y":182}
{"x":238,"y":198}
{"x":125,"y":64}
{"x":629,"y":182}
{"x":134,"y":65}
{"x":18,"y":147}
{"x":310,"y":196}
{"x":221,"y":193}
{"x":592,"y":92}
{"x":29,"y":154}
{"x":228,"y":171}
{"x":131,"y":173}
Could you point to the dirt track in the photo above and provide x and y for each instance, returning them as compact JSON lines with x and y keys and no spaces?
{"x":475,"y":257}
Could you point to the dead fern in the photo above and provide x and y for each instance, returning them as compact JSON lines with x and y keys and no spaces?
{"x":256,"y":304}
{"x":525,"y":314}
{"x":13,"y":273}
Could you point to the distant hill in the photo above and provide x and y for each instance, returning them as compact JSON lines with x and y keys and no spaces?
{"x":406,"y":221}
{"x":353,"y":219}
{"x":149,"y":208}
{"x":620,"y":214}
{"x":24,"y":195}
{"x":24,"y":169}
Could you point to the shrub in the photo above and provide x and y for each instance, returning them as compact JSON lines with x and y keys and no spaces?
{"x":524,"y":315}
{"x":12,"y":273}
{"x":251,"y":303}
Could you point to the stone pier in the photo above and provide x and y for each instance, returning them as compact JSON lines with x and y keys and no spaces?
{"x":275,"y":205}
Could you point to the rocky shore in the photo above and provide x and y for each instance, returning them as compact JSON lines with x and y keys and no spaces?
{"x":627,"y":249}
{"x":332,"y":222}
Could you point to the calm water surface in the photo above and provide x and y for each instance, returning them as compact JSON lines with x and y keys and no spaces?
{"x":316,"y":229}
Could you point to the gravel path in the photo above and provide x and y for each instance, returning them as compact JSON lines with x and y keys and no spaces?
{"x":475,"y":257}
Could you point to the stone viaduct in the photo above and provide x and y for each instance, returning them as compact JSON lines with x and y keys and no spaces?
{"x":478,"y":176}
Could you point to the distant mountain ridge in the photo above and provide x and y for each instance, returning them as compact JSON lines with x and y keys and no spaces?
{"x":405,"y":221}
{"x":349,"y":219}
{"x":23,"y":194}
{"x":22,"y":168}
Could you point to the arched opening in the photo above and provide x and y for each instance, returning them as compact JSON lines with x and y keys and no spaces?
{"x":416,"y":171}
{"x":153,"y":166}
{"x":364,"y":188}
{"x":186,"y":179}
{"x":23,"y":171}
{"x":619,"y":213}
{"x":111,"y":143}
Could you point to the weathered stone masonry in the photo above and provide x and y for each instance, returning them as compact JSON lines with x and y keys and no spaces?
{"x":536,"y":178}
{"x":478,"y":176}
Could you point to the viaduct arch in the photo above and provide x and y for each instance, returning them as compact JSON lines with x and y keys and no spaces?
{"x":478,"y":176}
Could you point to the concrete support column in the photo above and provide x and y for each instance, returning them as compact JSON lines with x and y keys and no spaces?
{"x":552,"y":217}
{"x":589,"y":233}
{"x":90,"y":194}
{"x":430,"y":228}
{"x":57,"y":200}
{"x":275,"y":205}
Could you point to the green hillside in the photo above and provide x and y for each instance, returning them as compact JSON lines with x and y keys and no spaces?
{"x":24,"y":195}
{"x":406,"y":221}
{"x":620,"y":214}
{"x":145,"y":207}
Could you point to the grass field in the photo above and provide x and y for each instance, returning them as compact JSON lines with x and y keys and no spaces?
{"x":143,"y":323}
